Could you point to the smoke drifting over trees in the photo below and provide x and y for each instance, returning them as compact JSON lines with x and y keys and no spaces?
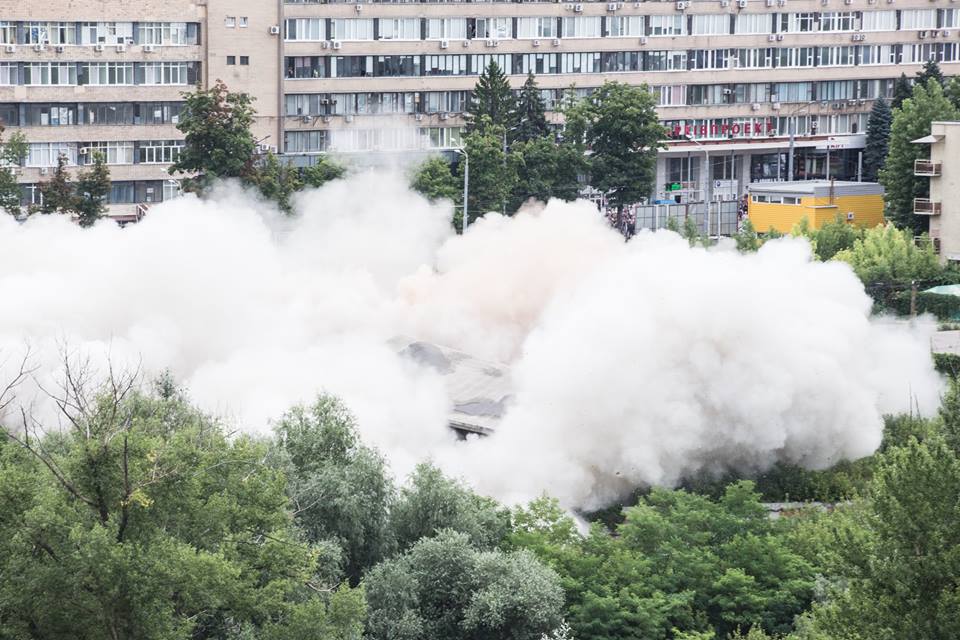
{"x":633,"y":363}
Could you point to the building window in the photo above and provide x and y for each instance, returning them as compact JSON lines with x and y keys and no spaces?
{"x":351,"y":29}
{"x":498,"y":28}
{"x":168,"y":33}
{"x":305,"y":29}
{"x":112,"y":152}
{"x":106,"y":32}
{"x":244,"y":22}
{"x":533,"y":28}
{"x":244,"y":60}
{"x":667,"y":25}
{"x":399,"y":28}
{"x":624,"y":26}
{"x":230,"y":22}
{"x":45,"y":154}
{"x":160,"y":151}
{"x":47,"y":73}
{"x":231,"y":60}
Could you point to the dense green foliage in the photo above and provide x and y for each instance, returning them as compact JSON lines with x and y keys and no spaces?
{"x":492,"y":99}
{"x":92,"y":191}
{"x":623,"y":134}
{"x":219,"y":145}
{"x":902,"y":89}
{"x":444,"y":587}
{"x":12,"y":152}
{"x":85,"y":197}
{"x":680,"y":563}
{"x":930,"y":71}
{"x":435,"y":181}
{"x":146,"y":520}
{"x":531,"y":112}
{"x":878,"y":136}
{"x":218,"y":142}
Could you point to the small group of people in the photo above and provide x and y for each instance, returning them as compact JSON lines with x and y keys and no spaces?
{"x":623,"y":220}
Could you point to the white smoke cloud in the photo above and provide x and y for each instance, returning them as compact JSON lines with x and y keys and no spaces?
{"x":632,"y":362}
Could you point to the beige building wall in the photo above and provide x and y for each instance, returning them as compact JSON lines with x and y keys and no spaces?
{"x":264,"y":49}
{"x":945,"y":188}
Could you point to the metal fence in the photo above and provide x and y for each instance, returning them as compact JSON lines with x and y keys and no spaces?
{"x":657,"y":216}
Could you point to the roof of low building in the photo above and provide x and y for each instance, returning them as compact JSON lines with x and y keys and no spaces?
{"x":479,"y":390}
{"x":817,"y":188}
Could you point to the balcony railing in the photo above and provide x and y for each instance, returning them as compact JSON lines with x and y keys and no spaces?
{"x":926,"y":207}
{"x":926,"y":168}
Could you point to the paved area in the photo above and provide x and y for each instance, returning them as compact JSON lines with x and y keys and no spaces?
{"x":946,"y":342}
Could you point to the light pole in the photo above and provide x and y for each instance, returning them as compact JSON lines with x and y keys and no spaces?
{"x":709,"y":189}
{"x":790,"y":128}
{"x":466,"y":187}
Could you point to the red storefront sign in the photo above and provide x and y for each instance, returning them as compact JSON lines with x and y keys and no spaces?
{"x":722,"y":130}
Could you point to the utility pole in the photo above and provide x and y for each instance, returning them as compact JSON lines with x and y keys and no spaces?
{"x":466,"y":189}
{"x":913,"y":298}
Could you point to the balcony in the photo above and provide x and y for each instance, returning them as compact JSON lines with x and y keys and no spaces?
{"x":926,"y":168}
{"x":926,"y":207}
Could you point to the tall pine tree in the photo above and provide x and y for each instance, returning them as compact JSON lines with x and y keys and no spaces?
{"x":531,"y":112}
{"x":493,"y":98}
{"x":901,"y":91}
{"x":930,"y":71}
{"x":878,"y":136}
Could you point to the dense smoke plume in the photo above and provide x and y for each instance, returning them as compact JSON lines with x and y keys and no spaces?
{"x":633,"y":362}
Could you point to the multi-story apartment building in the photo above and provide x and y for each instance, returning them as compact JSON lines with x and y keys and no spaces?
{"x":943,"y":203}
{"x":743,"y":85}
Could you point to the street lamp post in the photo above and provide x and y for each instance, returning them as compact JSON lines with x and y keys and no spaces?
{"x":791,"y":127}
{"x":466,"y":188}
{"x":709,"y":190}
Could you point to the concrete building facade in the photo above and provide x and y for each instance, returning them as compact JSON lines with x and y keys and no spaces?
{"x":943,"y":205}
{"x":735,"y":80}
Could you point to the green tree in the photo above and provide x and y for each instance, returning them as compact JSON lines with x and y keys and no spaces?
{"x":145,"y":521}
{"x":930,"y":71}
{"x":92,"y":191}
{"x":681,"y":565}
{"x":900,"y":560}
{"x":886,"y":254}
{"x":747,"y":239}
{"x":492,"y":102}
{"x":12,"y":153}
{"x":531,"y":113}
{"x":547,"y":170}
{"x":430,"y":502}
{"x":320,"y":172}
{"x":443,"y":587}
{"x":878,"y":135}
{"x":952,"y":91}
{"x":57,"y":194}
{"x":218,"y":142}
{"x":910,"y":122}
{"x":902,"y":89}
{"x":435,"y":181}
{"x":276,"y":180}
{"x":339,"y":487}
{"x":493,"y":174}
{"x":950,"y":416}
{"x":690,"y":231}
{"x":833,"y":237}
{"x":623,"y":135}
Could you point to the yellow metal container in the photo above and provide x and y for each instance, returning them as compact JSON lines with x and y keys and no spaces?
{"x":781,"y":205}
